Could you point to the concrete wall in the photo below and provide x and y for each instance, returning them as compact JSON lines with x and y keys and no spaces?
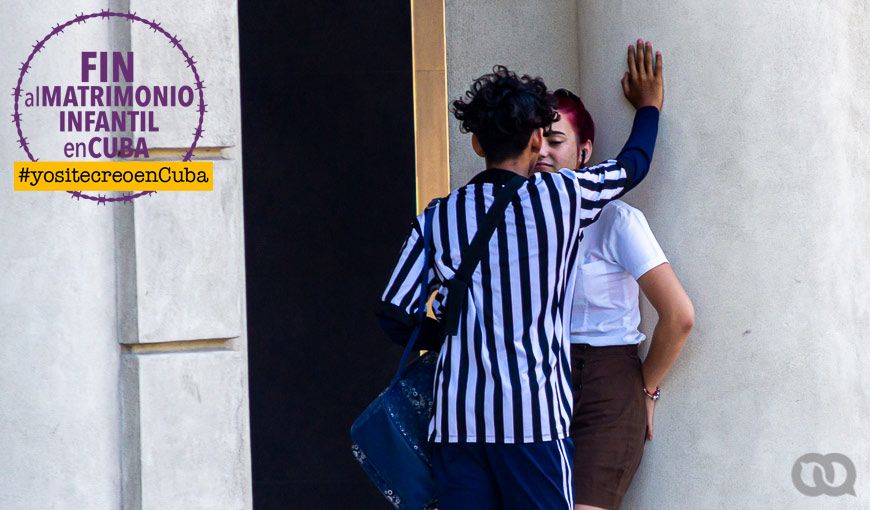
{"x":757,"y":197}
{"x":535,"y":38}
{"x":60,"y":422}
{"x":123,"y":376}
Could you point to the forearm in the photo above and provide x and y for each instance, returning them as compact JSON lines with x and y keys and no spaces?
{"x":400,"y":332}
{"x":668,"y":338}
{"x":637,"y":153}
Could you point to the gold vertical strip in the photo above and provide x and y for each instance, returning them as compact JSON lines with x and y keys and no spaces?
{"x":431,"y":141}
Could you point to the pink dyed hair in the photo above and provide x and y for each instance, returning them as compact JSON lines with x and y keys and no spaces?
{"x":573,"y":109}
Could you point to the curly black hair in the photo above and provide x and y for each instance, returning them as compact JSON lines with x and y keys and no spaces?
{"x":503,"y":110}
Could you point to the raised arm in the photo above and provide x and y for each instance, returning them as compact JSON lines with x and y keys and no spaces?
{"x":643,"y":87}
{"x":636,"y":156}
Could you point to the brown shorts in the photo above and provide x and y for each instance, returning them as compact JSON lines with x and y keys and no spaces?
{"x":609,"y":423}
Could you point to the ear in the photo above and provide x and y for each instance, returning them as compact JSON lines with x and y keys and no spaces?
{"x":536,"y":141}
{"x":585,"y":146}
{"x":475,"y":144}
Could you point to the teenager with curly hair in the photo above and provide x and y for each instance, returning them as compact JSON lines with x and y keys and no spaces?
{"x":502,"y":399}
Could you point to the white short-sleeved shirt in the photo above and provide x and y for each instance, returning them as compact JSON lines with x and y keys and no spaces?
{"x":616,"y":250}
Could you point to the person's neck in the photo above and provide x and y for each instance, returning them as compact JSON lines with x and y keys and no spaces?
{"x":516,"y":166}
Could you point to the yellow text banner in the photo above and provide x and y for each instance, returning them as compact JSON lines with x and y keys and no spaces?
{"x":114,"y":176}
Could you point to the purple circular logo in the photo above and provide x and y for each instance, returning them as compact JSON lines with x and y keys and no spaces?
{"x":106,"y":14}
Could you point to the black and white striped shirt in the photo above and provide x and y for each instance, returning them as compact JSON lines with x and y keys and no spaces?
{"x":505,"y":376}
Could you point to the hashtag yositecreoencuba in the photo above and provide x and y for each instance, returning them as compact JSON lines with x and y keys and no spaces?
{"x":114,"y":175}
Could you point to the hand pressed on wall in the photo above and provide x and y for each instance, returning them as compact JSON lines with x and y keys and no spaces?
{"x":642,"y":83}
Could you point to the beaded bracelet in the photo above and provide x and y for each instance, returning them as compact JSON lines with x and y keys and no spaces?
{"x":655,"y":396}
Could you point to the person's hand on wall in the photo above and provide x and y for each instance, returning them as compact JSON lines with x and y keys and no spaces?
{"x":642,"y":83}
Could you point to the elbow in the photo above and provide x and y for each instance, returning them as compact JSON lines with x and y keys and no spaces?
{"x":685,"y":319}
{"x":680,"y":320}
{"x":635,"y":166}
{"x":395,"y":330}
